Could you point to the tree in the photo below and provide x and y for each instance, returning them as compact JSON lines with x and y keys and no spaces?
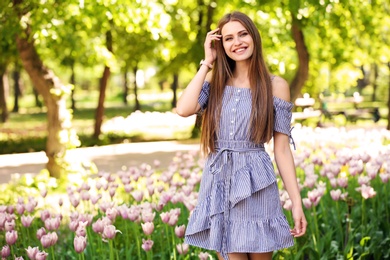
{"x":49,"y":87}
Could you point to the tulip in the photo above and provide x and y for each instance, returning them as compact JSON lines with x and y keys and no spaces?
{"x":98,"y":226}
{"x":173,"y":219}
{"x":287,"y":205}
{"x":203,"y":256}
{"x":165,"y":216}
{"x":5,"y":252}
{"x":27,"y":220}
{"x":41,"y":255}
{"x":45,"y":214}
{"x":49,"y":239}
{"x":180,"y":231}
{"x":81,"y":230}
{"x":148,"y":216}
{"x":52,"y":223}
{"x":182,"y":248}
{"x":80,"y":243}
{"x":9,"y":225}
{"x":20,"y":208}
{"x":335,"y":194}
{"x":32,"y":252}
{"x":111,"y":213}
{"x":73,"y":225}
{"x":109,"y":232}
{"x":74,"y":200}
{"x":41,"y":232}
{"x":147,"y":244}
{"x":11,"y":237}
{"x":148,"y":228}
{"x":385,"y":177}
{"x":43,"y":192}
{"x":307,"y":203}
{"x":367,"y":191}
{"x":138,"y":195}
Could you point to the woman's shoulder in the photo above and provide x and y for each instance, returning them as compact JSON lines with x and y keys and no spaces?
{"x":280,"y":88}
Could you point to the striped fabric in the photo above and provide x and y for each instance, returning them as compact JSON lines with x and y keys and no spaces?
{"x":238,"y":206}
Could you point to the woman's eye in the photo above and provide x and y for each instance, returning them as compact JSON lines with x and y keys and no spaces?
{"x":244,"y":34}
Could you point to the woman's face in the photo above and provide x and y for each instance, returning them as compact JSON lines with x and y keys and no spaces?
{"x":237,"y":41}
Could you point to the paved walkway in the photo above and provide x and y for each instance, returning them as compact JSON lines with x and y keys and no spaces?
{"x":107,"y":158}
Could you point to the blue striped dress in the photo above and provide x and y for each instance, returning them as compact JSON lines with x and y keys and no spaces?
{"x":238,"y":207}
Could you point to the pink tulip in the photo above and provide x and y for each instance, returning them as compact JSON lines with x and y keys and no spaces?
{"x":112,"y":213}
{"x":173,"y":220}
{"x":148,"y":216}
{"x":49,"y":239}
{"x":43,"y":192}
{"x":363,"y":180}
{"x":384,"y":177}
{"x":32,"y":252}
{"x":73,"y":225}
{"x":27,"y":220}
{"x":9,"y":225}
{"x":60,"y":202}
{"x":30,"y":206}
{"x":307,"y":203}
{"x":109,"y":232}
{"x":5,"y":252}
{"x":98,"y":226}
{"x":85,"y":195}
{"x":11,"y":237}
{"x":80,"y":243}
{"x":335,"y":194}
{"x":74,"y":200}
{"x":3,"y":208}
{"x":203,"y":256}
{"x":165,"y":216}
{"x":41,"y":255}
{"x":148,"y":228}
{"x":182,"y":248}
{"x":287,"y":205}
{"x":45,"y":214}
{"x":11,"y":209}
{"x":367,"y":191}
{"x":342,"y":182}
{"x":81,"y":230}
{"x":20,"y":209}
{"x":138,"y":195}
{"x":52,"y":223}
{"x":180,"y":231}
{"x":41,"y":232}
{"x":147,"y":244}
{"x":95,"y":198}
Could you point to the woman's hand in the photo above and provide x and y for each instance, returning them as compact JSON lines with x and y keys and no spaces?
{"x":300,"y":222}
{"x":209,"y":49}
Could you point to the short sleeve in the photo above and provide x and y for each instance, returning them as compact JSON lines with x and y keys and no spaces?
{"x":204,"y":95}
{"x":282,"y":117}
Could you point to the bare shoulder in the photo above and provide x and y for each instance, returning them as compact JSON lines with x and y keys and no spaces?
{"x":280,"y":88}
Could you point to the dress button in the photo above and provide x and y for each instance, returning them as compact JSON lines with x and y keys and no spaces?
{"x":237,"y":99}
{"x":239,"y":90}
{"x":232,"y":121}
{"x":231,"y":133}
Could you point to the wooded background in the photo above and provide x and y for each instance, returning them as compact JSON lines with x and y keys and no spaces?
{"x":321,"y":47}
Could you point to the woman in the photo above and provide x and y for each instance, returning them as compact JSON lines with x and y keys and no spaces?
{"x":239,"y":214}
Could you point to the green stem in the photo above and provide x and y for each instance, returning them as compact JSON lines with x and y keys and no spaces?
{"x":52,"y":252}
{"x":316,"y":230}
{"x":111,"y":250}
{"x":137,"y":240}
{"x":173,"y":243}
{"x":363,"y":215}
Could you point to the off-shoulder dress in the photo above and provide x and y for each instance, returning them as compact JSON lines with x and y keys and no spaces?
{"x":238,"y":208}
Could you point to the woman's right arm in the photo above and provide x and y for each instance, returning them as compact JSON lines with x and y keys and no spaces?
{"x":187,"y":104}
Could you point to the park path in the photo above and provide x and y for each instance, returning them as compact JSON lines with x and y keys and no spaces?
{"x":108,"y":158}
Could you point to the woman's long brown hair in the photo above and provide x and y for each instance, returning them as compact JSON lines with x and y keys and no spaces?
{"x":261,"y":119}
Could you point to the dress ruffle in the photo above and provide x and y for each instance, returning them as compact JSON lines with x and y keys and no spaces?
{"x":207,"y":220}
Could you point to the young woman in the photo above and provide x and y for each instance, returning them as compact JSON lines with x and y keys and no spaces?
{"x":239,"y":213}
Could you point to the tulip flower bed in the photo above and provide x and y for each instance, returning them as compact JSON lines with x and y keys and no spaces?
{"x":142,"y":212}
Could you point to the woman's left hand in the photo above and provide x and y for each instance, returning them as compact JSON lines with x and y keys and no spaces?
{"x":300,"y":222}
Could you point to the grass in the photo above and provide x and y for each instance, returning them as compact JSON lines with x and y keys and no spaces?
{"x":26,"y":131}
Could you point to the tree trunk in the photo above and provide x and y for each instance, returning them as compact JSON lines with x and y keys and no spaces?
{"x":52,"y":91}
{"x":3,"y":92}
{"x":375,"y":82}
{"x":302,"y":73}
{"x":137,"y":105}
{"x":125,"y":86}
{"x":73,"y":82}
{"x":102,"y":91}
{"x":174,"y":87}
{"x":388,"y":101}
{"x":17,"y":87}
